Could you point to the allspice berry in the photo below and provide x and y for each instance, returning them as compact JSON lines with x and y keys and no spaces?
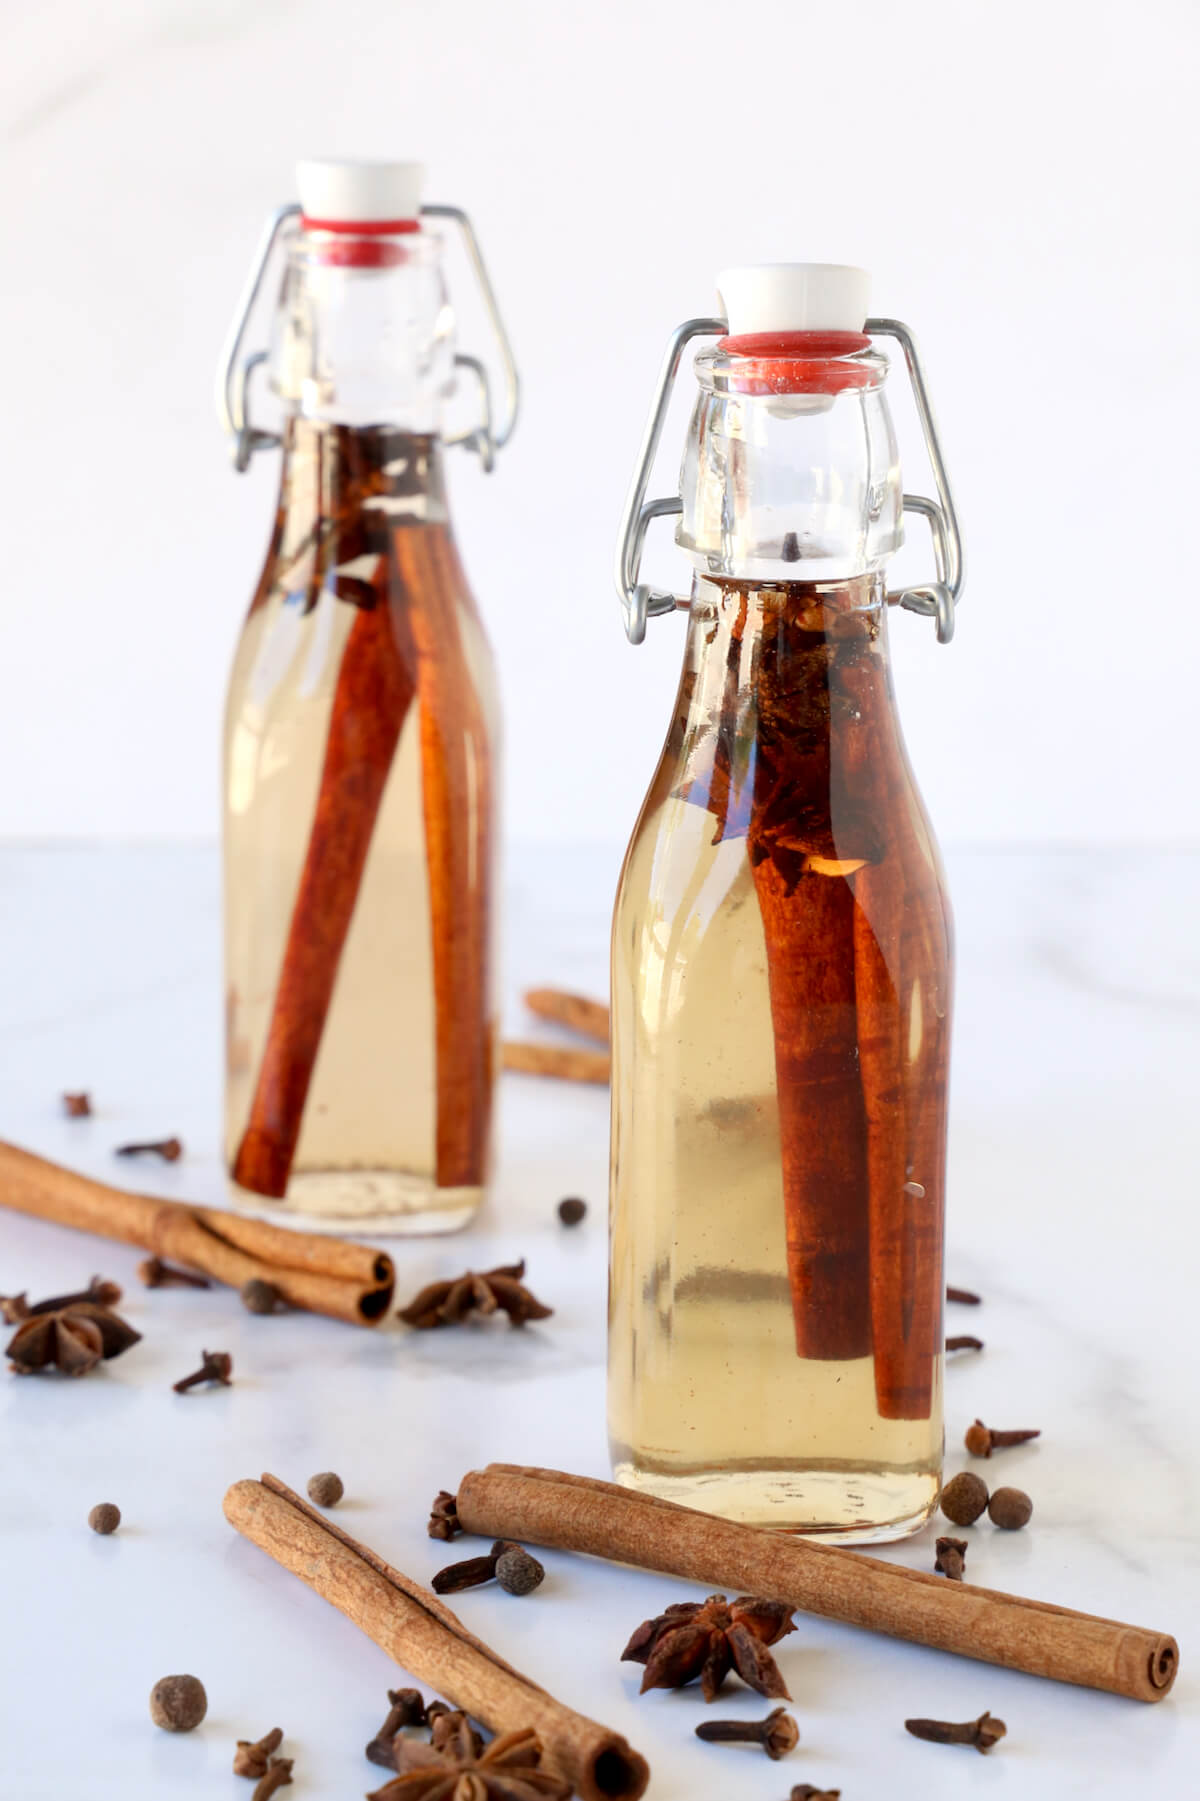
{"x":1010,"y":1508}
{"x":518,"y":1572}
{"x":104,"y":1518}
{"x":178,"y":1703}
{"x":572,"y":1210}
{"x":964,"y":1498}
{"x":326,"y":1489}
{"x":259,"y":1296}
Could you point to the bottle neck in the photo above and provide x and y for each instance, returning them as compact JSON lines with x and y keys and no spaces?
{"x":791,"y":471}
{"x":785,"y":689}
{"x":342,"y":490}
{"x":364,"y":333}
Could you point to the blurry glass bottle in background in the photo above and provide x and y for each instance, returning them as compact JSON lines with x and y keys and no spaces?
{"x":781,"y":954}
{"x":361,"y":743}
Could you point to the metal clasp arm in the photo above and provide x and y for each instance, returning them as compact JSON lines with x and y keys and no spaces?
{"x":940,"y":598}
{"x":233,"y":374}
{"x":640,"y":602}
{"x":485,"y":439}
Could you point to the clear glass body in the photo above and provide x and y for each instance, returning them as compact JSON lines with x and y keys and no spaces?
{"x":780,"y":1034}
{"x":360,"y":794}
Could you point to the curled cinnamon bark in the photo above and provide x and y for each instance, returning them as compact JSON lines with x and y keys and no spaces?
{"x":800,"y":855}
{"x":575,"y":1011}
{"x":347,"y":1281}
{"x":456,"y":783}
{"x":902,"y":983}
{"x":373,"y":694}
{"x":420,"y":1632}
{"x":809,"y":933}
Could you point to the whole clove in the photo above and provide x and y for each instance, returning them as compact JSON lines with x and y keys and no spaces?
{"x":951,"y":1556}
{"x":443,"y":1516}
{"x":571,"y":1210}
{"x":522,"y":1573}
{"x":78,"y":1105}
{"x":1010,"y":1509}
{"x":278,"y":1774}
{"x":981,"y":1441}
{"x":178,"y":1703}
{"x":260,"y":1296}
{"x":253,"y":1756}
{"x":405,"y":1708}
{"x":963,"y":1341}
{"x":154,"y":1273}
{"x":962,"y":1295}
{"x":169,"y":1149}
{"x":983,"y":1733}
{"x":777,"y":1734}
{"x":104,"y":1518}
{"x":964,"y":1498}
{"x":217,"y":1366}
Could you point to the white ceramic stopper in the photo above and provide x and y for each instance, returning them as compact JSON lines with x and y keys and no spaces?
{"x":360,"y":193}
{"x":793,"y":297}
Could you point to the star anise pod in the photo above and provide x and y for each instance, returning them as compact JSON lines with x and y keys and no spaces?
{"x":455,"y":1768}
{"x":73,"y":1338}
{"x":708,"y":1639}
{"x":446,"y":1303}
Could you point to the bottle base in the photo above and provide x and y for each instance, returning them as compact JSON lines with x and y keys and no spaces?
{"x":839,"y":1506}
{"x":384,"y":1202}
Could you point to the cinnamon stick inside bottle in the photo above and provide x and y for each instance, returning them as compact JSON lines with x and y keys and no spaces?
{"x":456,"y":783}
{"x":808,"y":911}
{"x":901,"y":962}
{"x":371,"y":701}
{"x":809,"y":934}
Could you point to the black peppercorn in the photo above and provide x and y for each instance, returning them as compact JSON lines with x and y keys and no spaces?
{"x":572,"y":1210}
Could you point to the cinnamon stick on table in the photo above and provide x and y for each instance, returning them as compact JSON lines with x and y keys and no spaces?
{"x":421,"y":1633}
{"x":575,"y":1513}
{"x":575,"y":1011}
{"x":560,"y":1060}
{"x":333,"y":1276}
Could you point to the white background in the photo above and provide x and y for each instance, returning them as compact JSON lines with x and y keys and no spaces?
{"x":1021,"y":179}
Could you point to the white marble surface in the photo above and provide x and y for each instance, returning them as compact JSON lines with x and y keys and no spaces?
{"x":1074,"y":1157}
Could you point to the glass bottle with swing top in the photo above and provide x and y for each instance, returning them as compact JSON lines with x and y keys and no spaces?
{"x":361,"y":736}
{"x":781,"y":950}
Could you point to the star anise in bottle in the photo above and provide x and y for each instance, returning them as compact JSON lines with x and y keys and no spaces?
{"x":708,"y":1639}
{"x":446,"y":1303}
{"x":73,"y":1338}
{"x":455,"y":1766}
